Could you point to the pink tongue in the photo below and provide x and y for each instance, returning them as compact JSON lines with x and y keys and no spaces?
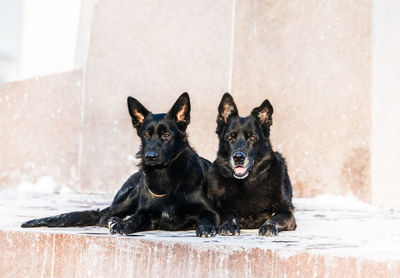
{"x":240,"y":170}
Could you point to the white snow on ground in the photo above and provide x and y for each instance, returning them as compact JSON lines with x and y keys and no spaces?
{"x":335,"y":225}
{"x":43,"y":185}
{"x":331,"y":202}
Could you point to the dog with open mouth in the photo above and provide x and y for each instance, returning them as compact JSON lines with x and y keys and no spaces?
{"x":249,"y":182}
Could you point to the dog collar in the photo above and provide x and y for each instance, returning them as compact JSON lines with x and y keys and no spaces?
{"x":151,"y":192}
{"x":156,"y":195}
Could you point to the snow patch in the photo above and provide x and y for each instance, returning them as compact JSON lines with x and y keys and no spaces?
{"x":44,"y":185}
{"x":333,"y":202}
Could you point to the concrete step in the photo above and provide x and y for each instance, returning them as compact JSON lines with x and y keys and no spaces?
{"x":336,"y":237}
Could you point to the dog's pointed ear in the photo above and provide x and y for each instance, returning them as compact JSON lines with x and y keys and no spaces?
{"x":264,"y":115}
{"x":137,"y":111}
{"x":180,"y":111}
{"x":227,"y":108}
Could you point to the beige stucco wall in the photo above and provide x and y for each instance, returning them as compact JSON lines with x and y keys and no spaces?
{"x":385,"y":103}
{"x":39,"y":128}
{"x":312,"y":60}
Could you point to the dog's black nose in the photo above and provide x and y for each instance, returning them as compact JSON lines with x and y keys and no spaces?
{"x":238,"y":157}
{"x":151,"y":156}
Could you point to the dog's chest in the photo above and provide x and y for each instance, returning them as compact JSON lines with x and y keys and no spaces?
{"x":246,"y":203}
{"x":164,"y":219}
{"x":250,"y":210}
{"x":165,"y":216}
{"x":168,"y":215}
{"x":164,"y":211}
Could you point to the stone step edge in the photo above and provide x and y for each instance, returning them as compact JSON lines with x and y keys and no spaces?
{"x":39,"y":254}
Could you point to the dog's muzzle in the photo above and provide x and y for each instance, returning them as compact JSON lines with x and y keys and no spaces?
{"x":241,"y":165}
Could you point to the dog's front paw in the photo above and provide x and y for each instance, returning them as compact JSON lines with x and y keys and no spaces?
{"x":122,"y":228}
{"x":112,"y":221}
{"x":229,"y":228}
{"x":117,"y":228}
{"x":205,"y":231}
{"x":268,"y":229}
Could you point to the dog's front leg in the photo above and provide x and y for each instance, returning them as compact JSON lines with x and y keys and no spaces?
{"x":125,"y":203}
{"x":140,"y":221}
{"x":205,"y":228}
{"x":113,"y":216}
{"x":109,"y":221}
{"x":230,"y":227}
{"x":208,"y":221}
{"x":283,"y":221}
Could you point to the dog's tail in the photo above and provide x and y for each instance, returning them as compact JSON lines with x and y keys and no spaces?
{"x":71,"y":219}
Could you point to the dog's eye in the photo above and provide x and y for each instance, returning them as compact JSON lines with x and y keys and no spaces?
{"x":146,"y":135}
{"x":252,"y":138}
{"x":229,"y":138}
{"x":165,"y":136}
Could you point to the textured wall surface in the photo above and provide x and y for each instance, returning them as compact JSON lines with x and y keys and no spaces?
{"x":39,"y":128}
{"x":311,"y":59}
{"x":385,"y":102}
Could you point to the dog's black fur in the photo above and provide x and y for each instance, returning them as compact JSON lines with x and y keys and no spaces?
{"x":168,"y":192}
{"x":249,"y":182}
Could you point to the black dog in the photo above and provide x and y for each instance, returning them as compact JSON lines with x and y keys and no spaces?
{"x":168,"y":192}
{"x":249,"y":182}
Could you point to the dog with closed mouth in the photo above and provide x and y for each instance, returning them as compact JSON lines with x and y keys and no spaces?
{"x":249,"y":182}
{"x":169,"y":192}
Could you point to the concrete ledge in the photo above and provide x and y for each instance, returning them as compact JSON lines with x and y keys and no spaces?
{"x":336,"y":237}
{"x":35,"y":254}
